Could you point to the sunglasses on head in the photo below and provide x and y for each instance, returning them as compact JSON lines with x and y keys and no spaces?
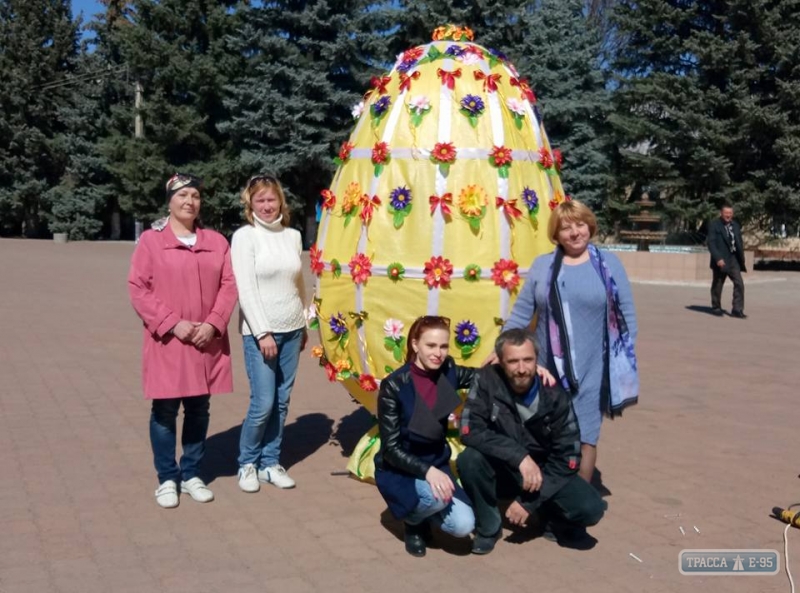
{"x":261,"y":178}
{"x":181,"y":180}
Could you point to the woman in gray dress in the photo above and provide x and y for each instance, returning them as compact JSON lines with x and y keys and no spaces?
{"x":585,"y":323}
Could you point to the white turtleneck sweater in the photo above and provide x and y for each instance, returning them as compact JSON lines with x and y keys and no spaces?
{"x":268,"y":270}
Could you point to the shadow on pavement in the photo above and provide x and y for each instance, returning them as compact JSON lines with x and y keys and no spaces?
{"x":700,"y":309}
{"x":351,"y":428}
{"x":301,"y":439}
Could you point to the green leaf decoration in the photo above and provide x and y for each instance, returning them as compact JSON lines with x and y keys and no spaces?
{"x":389,"y":343}
{"x":378,"y":169}
{"x":336,"y":267}
{"x":337,"y":161}
{"x":345,"y":374}
{"x":473,"y":120}
{"x":474,"y":223}
{"x":518,"y":121}
{"x":397,"y":352}
{"x":503,"y":172}
{"x":348,"y":218}
{"x":387,"y":369}
{"x":444,"y":169}
{"x":314,"y":323}
{"x":398,"y":218}
{"x":493,"y":61}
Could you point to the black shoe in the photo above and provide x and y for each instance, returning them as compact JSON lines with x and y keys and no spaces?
{"x":483,"y":545}
{"x":414,"y":539}
{"x":717,"y":311}
{"x":738,"y":314}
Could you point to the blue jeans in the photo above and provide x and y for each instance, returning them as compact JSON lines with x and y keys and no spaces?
{"x":163,"y":431}
{"x":454,"y":517}
{"x":271,"y":383}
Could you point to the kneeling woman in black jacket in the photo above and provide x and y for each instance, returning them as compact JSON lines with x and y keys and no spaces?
{"x":412,"y":469}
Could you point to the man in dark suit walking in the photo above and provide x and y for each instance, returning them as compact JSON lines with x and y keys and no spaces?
{"x":727,"y":260}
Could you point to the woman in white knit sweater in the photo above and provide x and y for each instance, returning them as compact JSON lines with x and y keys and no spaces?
{"x":266,"y":262}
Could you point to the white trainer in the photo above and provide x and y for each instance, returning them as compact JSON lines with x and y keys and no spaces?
{"x":275,"y":475}
{"x":248,"y":478}
{"x":167,"y":495}
{"x":197,"y":489}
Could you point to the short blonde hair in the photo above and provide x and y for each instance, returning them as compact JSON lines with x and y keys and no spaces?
{"x":571,"y":211}
{"x":258,"y":183}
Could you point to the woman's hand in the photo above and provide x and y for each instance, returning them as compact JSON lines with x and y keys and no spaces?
{"x":184,"y":331}
{"x":268,"y":347}
{"x":204,"y":333}
{"x":441,"y":484}
{"x":547,"y":379}
{"x":304,"y":340}
{"x":491,"y":359}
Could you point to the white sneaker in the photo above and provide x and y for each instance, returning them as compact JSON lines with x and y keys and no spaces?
{"x":248,"y":478}
{"x":197,"y":489}
{"x":275,"y":475}
{"x":167,"y":495}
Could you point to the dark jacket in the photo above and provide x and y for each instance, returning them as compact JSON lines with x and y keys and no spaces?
{"x":491,"y":424}
{"x":719,"y":245}
{"x":413,"y":436}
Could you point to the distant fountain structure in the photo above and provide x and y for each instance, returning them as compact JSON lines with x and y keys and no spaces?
{"x":644,"y":223}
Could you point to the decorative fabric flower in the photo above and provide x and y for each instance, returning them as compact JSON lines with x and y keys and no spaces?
{"x":496,"y":56}
{"x":472,"y":107}
{"x":438,"y":271}
{"x":357,"y":110}
{"x":558,"y":198}
{"x":517,"y":109}
{"x":312,"y":320}
{"x":360,"y":268}
{"x":531,"y":201}
{"x":442,"y":202}
{"x":469,"y":58}
{"x":338,"y":324}
{"x":317,"y":351}
{"x":399,"y":205}
{"x":472,"y":202}
{"x":558,"y":159}
{"x":545,"y":158}
{"x":472,"y":273}
{"x":505,"y":274}
{"x":500,"y":157}
{"x":453,"y":33}
{"x":350,"y":201}
{"x":380,"y":156}
{"x":367,"y":383}
{"x":444,"y":154}
{"x":394,"y":339}
{"x":467,"y":338}
{"x":406,"y":66}
{"x":330,"y":371}
{"x":396,"y":271}
{"x":328,"y":199}
{"x":418,"y":107}
{"x":454,"y":51}
{"x":368,"y":205}
{"x":344,"y":153}
{"x":379,"y":108}
{"x":525,"y":89}
{"x":315,"y":255}
{"x":415,"y":53}
{"x":343,"y":369}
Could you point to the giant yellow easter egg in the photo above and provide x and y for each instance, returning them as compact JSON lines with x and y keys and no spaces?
{"x":438,"y":207}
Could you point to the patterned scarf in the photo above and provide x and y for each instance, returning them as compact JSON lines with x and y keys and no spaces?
{"x":620,"y":377}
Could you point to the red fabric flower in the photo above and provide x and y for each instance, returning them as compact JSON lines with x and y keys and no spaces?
{"x":380,"y":153}
{"x":505,"y":274}
{"x":405,"y":80}
{"x":379,"y":83}
{"x":315,"y":255}
{"x":489,"y":82}
{"x":525,"y":89}
{"x":444,"y":152}
{"x":330,"y":370}
{"x":368,"y":205}
{"x":545,"y":158}
{"x":442,"y":202}
{"x":509,"y":207}
{"x":501,"y":156}
{"x":360,"y":268}
{"x":437,"y":272}
{"x":367,"y":383}
{"x":415,"y":53}
{"x":344,"y":151}
{"x":558,"y":158}
{"x":328,"y":199}
{"x":449,"y":77}
{"x":474,"y":49}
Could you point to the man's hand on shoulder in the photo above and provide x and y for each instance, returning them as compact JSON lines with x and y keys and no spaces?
{"x":517,"y":515}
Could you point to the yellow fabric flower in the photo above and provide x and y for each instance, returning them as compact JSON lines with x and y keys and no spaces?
{"x":472,"y":200}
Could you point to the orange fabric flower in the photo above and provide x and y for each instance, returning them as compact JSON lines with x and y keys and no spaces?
{"x":472,"y":200}
{"x":317,"y":351}
{"x":352,"y":196}
{"x":360,"y":268}
{"x":505,"y":274}
{"x":438,"y":271}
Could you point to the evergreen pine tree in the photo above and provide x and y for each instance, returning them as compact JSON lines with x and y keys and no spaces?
{"x":38,"y":48}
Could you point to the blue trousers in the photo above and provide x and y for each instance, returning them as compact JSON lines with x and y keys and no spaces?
{"x":163,"y":436}
{"x":454,"y":517}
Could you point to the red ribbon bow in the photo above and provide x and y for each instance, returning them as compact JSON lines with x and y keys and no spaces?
{"x":449,"y":78}
{"x":489,"y":82}
{"x":405,"y":80}
{"x":379,"y":84}
{"x":368,"y":205}
{"x":509,"y":207}
{"x":524,"y":88}
{"x":442,"y":202}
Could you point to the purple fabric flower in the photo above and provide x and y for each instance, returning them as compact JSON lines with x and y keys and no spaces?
{"x":381,"y":105}
{"x":530,"y":198}
{"x":466,"y":333}
{"x":473,"y":104}
{"x":406,"y":66}
{"x":455,"y":51}
{"x":400,"y":198}
{"x":498,"y":54}
{"x":338,"y":325}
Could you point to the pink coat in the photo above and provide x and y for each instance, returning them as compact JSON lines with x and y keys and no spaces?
{"x":168,"y":282}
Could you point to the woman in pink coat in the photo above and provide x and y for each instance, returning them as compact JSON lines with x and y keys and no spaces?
{"x":181,"y":284}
